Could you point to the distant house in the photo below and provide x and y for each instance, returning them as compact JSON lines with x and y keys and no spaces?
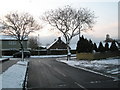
{"x":10,"y":43}
{"x":118,"y":42}
{"x":108,"y":39}
{"x":57,"y":45}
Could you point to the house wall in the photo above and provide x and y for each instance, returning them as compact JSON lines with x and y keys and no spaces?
{"x":12,"y":45}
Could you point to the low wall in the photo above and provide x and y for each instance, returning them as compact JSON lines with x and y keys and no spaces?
{"x":40,"y":52}
{"x":92,"y":56}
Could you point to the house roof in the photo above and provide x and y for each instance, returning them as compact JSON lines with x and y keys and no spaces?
{"x":52,"y":44}
{"x":57,"y":44}
{"x":72,"y":46}
{"x":7,"y":37}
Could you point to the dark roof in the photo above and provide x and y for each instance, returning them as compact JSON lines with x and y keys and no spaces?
{"x":57,"y":44}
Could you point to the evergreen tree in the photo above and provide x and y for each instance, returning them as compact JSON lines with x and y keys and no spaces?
{"x":81,"y":44}
{"x":90,"y":46}
{"x":95,"y":47}
{"x":113,"y":47}
{"x":101,"y":48}
{"x":106,"y":46}
{"x":84,"y":45}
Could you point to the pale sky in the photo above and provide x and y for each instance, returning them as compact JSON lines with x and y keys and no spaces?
{"x":105,"y":10}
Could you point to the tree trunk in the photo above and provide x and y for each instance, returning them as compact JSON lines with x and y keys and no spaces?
{"x":23,"y":54}
{"x":22,"y":49}
{"x":68,"y":51}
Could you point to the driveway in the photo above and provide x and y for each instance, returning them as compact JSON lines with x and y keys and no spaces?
{"x":48,"y":73}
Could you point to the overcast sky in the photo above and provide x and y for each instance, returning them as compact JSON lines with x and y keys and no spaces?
{"x":105,"y":10}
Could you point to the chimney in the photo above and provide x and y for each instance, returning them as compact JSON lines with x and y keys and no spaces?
{"x":107,"y":36}
{"x":59,"y":38}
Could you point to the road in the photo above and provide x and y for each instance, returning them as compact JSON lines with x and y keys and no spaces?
{"x":49,"y":73}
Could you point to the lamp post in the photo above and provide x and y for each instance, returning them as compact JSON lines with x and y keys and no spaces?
{"x":38,"y":44}
{"x":0,"y":48}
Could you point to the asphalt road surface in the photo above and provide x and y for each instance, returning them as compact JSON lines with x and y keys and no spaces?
{"x":49,"y":73}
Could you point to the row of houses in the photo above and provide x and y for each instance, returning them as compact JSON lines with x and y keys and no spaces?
{"x":10,"y":43}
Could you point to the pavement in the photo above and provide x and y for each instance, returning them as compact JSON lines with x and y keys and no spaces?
{"x":6,"y":64}
{"x":48,"y":73}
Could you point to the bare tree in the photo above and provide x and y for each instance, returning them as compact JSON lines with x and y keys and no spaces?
{"x":19,"y":26}
{"x":33,"y":43}
{"x":70,"y":21}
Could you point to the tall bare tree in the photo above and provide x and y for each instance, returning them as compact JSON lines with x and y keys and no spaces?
{"x":19,"y":26}
{"x":33,"y":43}
{"x":70,"y":21}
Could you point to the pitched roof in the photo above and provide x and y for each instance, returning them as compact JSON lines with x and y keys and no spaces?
{"x":7,"y":37}
{"x":52,"y":44}
{"x":57,"y":44}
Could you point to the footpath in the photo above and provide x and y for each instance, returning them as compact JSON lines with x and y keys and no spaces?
{"x":15,"y":76}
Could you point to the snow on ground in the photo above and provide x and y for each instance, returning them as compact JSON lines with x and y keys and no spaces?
{"x":41,"y":56}
{"x":14,"y":76}
{"x":7,"y":56}
{"x":108,"y":67}
{"x":50,"y":56}
{"x":2,"y":59}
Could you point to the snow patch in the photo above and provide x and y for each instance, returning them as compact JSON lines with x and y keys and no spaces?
{"x":51,"y":56}
{"x":3,"y":59}
{"x":108,"y":67}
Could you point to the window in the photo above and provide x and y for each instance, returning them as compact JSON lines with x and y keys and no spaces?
{"x":12,"y":42}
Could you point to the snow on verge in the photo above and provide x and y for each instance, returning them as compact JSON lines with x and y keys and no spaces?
{"x":107,"y":67}
{"x":3,"y":59}
{"x":50,"y":56}
{"x":14,"y":76}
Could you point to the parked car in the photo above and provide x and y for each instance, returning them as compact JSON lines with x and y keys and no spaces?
{"x":19,"y":54}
